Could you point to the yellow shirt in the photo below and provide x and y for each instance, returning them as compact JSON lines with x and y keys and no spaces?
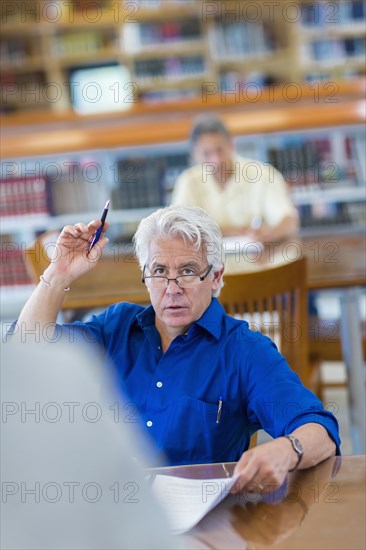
{"x":254,"y":189}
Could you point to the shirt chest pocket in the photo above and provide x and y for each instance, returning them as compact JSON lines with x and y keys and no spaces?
{"x":198,"y":432}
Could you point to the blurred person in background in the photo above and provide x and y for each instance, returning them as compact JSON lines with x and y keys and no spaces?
{"x":245,"y":197}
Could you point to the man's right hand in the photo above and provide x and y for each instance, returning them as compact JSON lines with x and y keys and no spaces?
{"x":71,"y":259}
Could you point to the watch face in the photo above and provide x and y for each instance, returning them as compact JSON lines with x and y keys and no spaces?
{"x":297,"y":448}
{"x":297,"y":445}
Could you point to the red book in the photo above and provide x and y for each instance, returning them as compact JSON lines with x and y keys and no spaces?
{"x":24,"y":195}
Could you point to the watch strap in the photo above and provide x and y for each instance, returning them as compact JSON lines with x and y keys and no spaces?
{"x":297,"y":447}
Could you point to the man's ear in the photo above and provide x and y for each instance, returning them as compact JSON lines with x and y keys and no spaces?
{"x":217,"y":278}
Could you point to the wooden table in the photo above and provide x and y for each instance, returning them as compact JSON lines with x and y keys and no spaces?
{"x":333,"y":261}
{"x":321,"y":508}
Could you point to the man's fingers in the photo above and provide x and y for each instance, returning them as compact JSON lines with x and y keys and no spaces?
{"x":247,"y":473}
{"x":96,"y":252}
{"x":244,"y":461}
{"x":70,"y":230}
{"x":80,"y":230}
{"x":81,"y":227}
{"x":101,"y":243}
{"x":93,"y":225}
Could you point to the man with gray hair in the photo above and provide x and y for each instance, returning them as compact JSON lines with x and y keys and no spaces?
{"x":199,"y":381}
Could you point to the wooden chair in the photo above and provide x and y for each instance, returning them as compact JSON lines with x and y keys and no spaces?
{"x":274,"y":301}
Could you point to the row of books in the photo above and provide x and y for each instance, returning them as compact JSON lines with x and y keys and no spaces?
{"x":23,"y":88}
{"x":334,"y":48}
{"x":148,"y":34}
{"x":307,"y":163}
{"x":22,"y":80}
{"x":171,"y":67}
{"x":38,"y":195}
{"x":76,"y":43}
{"x":22,"y":196}
{"x":13,"y":270}
{"x":325,"y":214}
{"x":357,"y":213}
{"x":147,"y":182}
{"x":15,"y":50}
{"x":139,"y":182}
{"x":327,"y":74}
{"x":166,"y":95}
{"x":319,"y":162}
{"x":243,"y":39}
{"x":332,"y":13}
{"x":235,"y":80}
{"x":79,"y":195}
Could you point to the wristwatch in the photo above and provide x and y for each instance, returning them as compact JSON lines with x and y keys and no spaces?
{"x":297,"y":447}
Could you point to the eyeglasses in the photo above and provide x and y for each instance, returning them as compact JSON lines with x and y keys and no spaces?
{"x":183,"y":281}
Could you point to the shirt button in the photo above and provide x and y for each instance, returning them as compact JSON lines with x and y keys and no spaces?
{"x":149,"y":423}
{"x":159,"y":384}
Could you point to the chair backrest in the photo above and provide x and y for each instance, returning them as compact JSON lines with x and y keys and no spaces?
{"x":274,"y":301}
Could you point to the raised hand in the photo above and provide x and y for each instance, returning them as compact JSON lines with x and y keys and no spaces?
{"x":71,"y":257}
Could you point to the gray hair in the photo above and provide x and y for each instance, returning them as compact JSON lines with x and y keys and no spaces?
{"x":190,"y":223}
{"x":207,"y":124}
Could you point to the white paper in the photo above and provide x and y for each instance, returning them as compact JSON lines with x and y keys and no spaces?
{"x":187,"y":501}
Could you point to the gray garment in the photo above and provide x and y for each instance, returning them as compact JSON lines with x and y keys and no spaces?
{"x":69,"y":469}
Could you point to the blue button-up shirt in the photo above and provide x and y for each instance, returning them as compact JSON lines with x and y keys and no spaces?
{"x":177,"y":393}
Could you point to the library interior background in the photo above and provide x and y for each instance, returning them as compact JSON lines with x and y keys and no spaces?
{"x":98,"y":99}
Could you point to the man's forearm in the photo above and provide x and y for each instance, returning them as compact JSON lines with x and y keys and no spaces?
{"x":42,"y":308}
{"x":71,"y":261}
{"x":317,"y":445}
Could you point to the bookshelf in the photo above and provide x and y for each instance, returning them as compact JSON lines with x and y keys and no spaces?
{"x":325,"y":171}
{"x":279,"y":75}
{"x":171,"y":48}
{"x":317,"y":146}
{"x":137,"y":163}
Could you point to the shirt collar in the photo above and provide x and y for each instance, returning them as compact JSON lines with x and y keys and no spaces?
{"x":146,"y":317}
{"x":235,"y":176}
{"x":210,"y":320}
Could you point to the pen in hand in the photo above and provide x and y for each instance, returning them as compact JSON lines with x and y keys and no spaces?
{"x":219,"y":410}
{"x":98,"y":232}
